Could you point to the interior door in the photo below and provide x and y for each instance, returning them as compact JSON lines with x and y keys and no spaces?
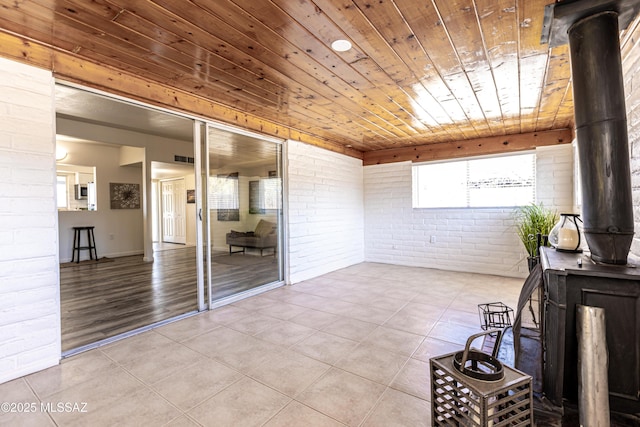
{"x":173,"y":211}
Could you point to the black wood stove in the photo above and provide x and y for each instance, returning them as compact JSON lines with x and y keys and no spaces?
{"x":614,"y":288}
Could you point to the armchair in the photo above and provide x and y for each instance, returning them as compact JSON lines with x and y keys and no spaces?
{"x":263,"y":237}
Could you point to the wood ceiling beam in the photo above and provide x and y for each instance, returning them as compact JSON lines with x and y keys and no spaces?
{"x":468,"y":148}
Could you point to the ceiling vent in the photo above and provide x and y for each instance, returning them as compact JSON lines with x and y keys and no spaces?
{"x":183,"y":159}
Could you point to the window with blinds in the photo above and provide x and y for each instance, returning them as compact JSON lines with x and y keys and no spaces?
{"x":503,"y":181}
{"x":270,"y":193}
{"x":223,"y":192}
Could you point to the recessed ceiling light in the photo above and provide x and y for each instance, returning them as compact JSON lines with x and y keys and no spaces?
{"x":341,"y":45}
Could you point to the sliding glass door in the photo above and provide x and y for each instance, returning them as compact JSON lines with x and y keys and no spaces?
{"x":244,"y":206}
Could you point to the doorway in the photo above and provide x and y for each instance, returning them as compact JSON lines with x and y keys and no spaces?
{"x":130,"y":148}
{"x":173,"y":207}
{"x":174,"y":171}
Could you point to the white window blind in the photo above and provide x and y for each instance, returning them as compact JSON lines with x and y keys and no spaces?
{"x":223,"y":192}
{"x":270,"y":193}
{"x":487,"y":182}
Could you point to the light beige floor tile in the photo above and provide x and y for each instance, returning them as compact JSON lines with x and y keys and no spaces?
{"x":101,"y":392}
{"x":427,"y":311}
{"x":254,"y":324}
{"x":387,"y":303}
{"x":246,"y":403}
{"x":154,"y":367}
{"x":24,"y":407}
{"x":227,"y":314}
{"x":397,"y":409}
{"x":297,"y":414}
{"x":282,"y":310}
{"x":326,"y":290}
{"x":401,"y":293}
{"x":469,"y":303}
{"x":137,"y":346}
{"x":394,"y":340}
{"x":286,"y":333}
{"x":16,"y":390}
{"x":454,"y":333}
{"x":38,"y":418}
{"x":334,"y":306}
{"x":216,"y":341}
{"x":408,"y":322}
{"x":369,"y":314}
{"x":433,"y":347}
{"x":352,"y":329}
{"x":196,"y":383}
{"x":183,"y":421}
{"x":441,"y":297}
{"x":460,"y":317}
{"x":69,"y":372}
{"x":188,"y":328}
{"x":235,"y":349}
{"x":314,"y":319}
{"x":142,"y":407}
{"x":343,"y":396}
{"x":213,"y":385}
{"x":289,"y":372}
{"x":307,"y":300}
{"x":325,"y":347}
{"x":414,"y":379}
{"x":279,"y":294}
{"x":373,"y":363}
{"x":254,"y":304}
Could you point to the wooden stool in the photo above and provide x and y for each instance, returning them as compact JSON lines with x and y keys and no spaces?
{"x":91,"y":244}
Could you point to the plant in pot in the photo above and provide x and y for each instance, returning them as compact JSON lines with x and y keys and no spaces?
{"x":533,"y":224}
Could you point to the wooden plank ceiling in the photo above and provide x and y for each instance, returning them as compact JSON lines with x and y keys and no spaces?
{"x":419,"y":73}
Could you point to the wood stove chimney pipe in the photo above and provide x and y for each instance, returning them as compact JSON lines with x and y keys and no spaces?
{"x":600,"y":117}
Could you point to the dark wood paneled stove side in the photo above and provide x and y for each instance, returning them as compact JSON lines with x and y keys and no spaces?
{"x":614,"y":288}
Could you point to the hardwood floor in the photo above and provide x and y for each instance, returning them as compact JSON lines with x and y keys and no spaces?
{"x":102,"y":300}
{"x":236,"y":273}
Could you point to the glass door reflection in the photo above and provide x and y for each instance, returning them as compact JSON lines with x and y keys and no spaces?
{"x":245,"y":211}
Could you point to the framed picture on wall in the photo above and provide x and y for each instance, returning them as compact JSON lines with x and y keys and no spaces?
{"x":124,"y":196}
{"x":191,"y":196}
{"x":254,"y":198}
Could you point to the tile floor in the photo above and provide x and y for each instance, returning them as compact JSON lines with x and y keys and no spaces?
{"x":348,"y":348}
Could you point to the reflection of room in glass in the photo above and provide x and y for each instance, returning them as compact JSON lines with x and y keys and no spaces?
{"x":224,"y":197}
{"x":270,"y":193}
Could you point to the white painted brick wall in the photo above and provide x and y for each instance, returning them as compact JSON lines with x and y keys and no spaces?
{"x":325,"y":208}
{"x":555,"y":177}
{"x":29,"y":280}
{"x":471,"y":240}
{"x":630,"y":67}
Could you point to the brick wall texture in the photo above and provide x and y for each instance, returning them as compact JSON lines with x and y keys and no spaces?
{"x":29,"y":290}
{"x":325,"y":209}
{"x":471,"y":240}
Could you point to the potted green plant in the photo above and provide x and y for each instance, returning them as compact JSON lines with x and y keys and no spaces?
{"x":530,"y":221}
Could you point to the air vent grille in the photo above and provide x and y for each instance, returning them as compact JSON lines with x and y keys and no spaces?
{"x":183,"y":159}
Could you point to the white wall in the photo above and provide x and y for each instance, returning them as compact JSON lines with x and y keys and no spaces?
{"x":325,"y":208}
{"x":471,"y":240}
{"x":29,"y":281}
{"x":118,"y":232}
{"x":630,"y":67}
